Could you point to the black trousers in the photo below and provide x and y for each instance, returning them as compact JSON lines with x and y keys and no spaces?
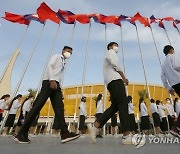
{"x":57,"y":104}
{"x":118,"y":103}
{"x":56,"y":124}
{"x":177,"y":90}
{"x":82,"y":122}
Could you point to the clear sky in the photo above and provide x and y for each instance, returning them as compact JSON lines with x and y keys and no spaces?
{"x":10,"y":34}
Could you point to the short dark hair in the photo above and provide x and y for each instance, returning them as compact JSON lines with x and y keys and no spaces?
{"x":83,"y":97}
{"x":158,"y":102}
{"x":167,"y":49}
{"x":4,"y":96}
{"x":152,"y":100}
{"x":111,"y":44}
{"x":129,"y":99}
{"x":67,"y":47}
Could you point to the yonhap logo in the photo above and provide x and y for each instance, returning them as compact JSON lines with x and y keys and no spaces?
{"x":139,"y":140}
{"x":164,"y":140}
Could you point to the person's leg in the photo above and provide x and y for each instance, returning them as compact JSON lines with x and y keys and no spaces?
{"x":81,"y":124}
{"x":118,"y":95}
{"x":58,"y":107}
{"x":37,"y":106}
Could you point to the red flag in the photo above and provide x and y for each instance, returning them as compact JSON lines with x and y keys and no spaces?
{"x":108,"y":19}
{"x":141,"y":19}
{"x":16,"y":18}
{"x":64,"y":16}
{"x":82,"y":18}
{"x":168,"y":19}
{"x":45,"y":12}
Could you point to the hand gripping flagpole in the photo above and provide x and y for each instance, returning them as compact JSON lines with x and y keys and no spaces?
{"x":145,"y":76}
{"x":20,"y":41}
{"x":22,"y":76}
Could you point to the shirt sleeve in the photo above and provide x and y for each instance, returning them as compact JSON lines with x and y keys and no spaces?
{"x":164,"y":80}
{"x":113,"y":59}
{"x":16,"y":104}
{"x":50,"y":67}
{"x":175,"y":62}
{"x":131,"y":106}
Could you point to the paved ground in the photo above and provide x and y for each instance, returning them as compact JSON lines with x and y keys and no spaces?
{"x":108,"y":145}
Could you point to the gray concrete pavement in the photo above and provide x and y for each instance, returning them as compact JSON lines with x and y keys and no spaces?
{"x":44,"y":144}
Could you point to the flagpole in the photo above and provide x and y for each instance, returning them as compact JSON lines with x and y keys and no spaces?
{"x":20,"y":41}
{"x":47,"y":61}
{"x":105,"y":88}
{"x":157,"y":51}
{"x":145,"y":76}
{"x":21,"y":78}
{"x":85,"y":61}
{"x":123,"y":55}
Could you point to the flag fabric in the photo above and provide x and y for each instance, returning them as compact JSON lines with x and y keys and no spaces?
{"x":15,"y":18}
{"x":82,"y":18}
{"x":126,"y":18}
{"x":45,"y":12}
{"x":141,"y":19}
{"x":177,"y":21}
{"x":157,"y":20}
{"x":168,"y":19}
{"x":33,"y":17}
{"x":64,"y":16}
{"x":108,"y":19}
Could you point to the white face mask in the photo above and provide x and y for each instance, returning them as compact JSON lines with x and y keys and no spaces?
{"x":168,"y":101}
{"x":67,"y":55}
{"x":116,"y":49}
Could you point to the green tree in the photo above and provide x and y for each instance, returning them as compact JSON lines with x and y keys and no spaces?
{"x":142,"y":94}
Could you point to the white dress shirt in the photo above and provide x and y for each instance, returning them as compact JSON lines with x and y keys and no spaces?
{"x":170,"y":109}
{"x":170,"y":73}
{"x":111,"y":66}
{"x":26,"y":107}
{"x":15,"y":106}
{"x":83,"y":109}
{"x":154,"y":108}
{"x":161,"y":110}
{"x":55,"y":69}
{"x":99,"y":108}
{"x":177,"y":108}
{"x":144,"y":111}
{"x":130,"y":108}
{"x":2,"y":104}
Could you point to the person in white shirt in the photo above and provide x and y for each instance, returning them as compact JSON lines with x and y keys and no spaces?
{"x":161,"y":110}
{"x":177,"y":106}
{"x":115,"y":81}
{"x":99,"y":112}
{"x":25,"y":108}
{"x":145,"y":122}
{"x":170,"y":75}
{"x":133,"y":125}
{"x":3,"y":101}
{"x":170,"y":112}
{"x":155,"y":116}
{"x":51,"y":87}
{"x":82,"y":115}
{"x":14,"y":105}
